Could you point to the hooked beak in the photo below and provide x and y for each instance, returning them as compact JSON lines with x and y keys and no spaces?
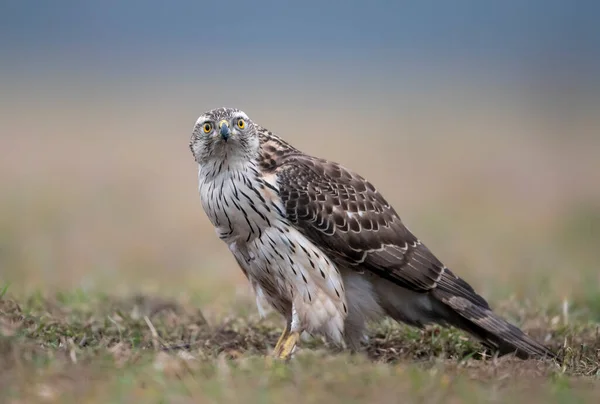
{"x":224,"y":130}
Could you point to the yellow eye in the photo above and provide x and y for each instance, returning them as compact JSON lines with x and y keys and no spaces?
{"x":207,"y":127}
{"x":241,"y":123}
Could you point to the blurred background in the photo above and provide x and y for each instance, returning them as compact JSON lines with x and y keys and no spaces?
{"x":479,"y":121}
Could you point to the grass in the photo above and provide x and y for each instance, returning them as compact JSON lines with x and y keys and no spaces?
{"x":4,"y":290}
{"x":76,"y":347}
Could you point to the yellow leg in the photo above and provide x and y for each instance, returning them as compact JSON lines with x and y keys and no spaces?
{"x":288,"y":345}
{"x":282,"y":338}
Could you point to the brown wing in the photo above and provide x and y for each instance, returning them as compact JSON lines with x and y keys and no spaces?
{"x":344,"y":213}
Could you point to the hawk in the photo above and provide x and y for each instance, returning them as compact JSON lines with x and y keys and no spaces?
{"x":323,"y":247}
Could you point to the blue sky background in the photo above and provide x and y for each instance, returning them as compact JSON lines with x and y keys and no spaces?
{"x":266,"y":54}
{"x":124,"y":34}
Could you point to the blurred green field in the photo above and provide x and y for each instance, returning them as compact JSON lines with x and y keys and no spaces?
{"x":106,"y":257}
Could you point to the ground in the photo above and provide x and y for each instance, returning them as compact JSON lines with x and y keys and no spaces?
{"x":116,"y":289}
{"x":78,"y":348}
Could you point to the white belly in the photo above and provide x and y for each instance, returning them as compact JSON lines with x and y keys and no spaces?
{"x":292,"y":274}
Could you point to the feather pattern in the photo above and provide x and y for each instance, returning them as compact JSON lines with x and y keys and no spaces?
{"x":322,"y":246}
{"x":344,"y":213}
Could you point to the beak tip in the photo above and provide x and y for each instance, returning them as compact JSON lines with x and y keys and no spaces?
{"x":224,"y":130}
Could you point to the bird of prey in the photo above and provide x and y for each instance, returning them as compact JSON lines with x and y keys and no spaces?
{"x":323,"y":247}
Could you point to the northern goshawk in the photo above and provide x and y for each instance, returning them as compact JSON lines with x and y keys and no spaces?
{"x":323,"y":247}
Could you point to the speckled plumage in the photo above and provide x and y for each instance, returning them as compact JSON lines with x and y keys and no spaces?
{"x":323,"y":247}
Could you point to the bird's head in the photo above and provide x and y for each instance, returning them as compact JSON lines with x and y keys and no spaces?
{"x":224,"y":133}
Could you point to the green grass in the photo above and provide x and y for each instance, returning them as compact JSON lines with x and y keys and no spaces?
{"x":3,"y":290}
{"x":76,"y":347}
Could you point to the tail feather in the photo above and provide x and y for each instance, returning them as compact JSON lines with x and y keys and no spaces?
{"x":493,"y":331}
